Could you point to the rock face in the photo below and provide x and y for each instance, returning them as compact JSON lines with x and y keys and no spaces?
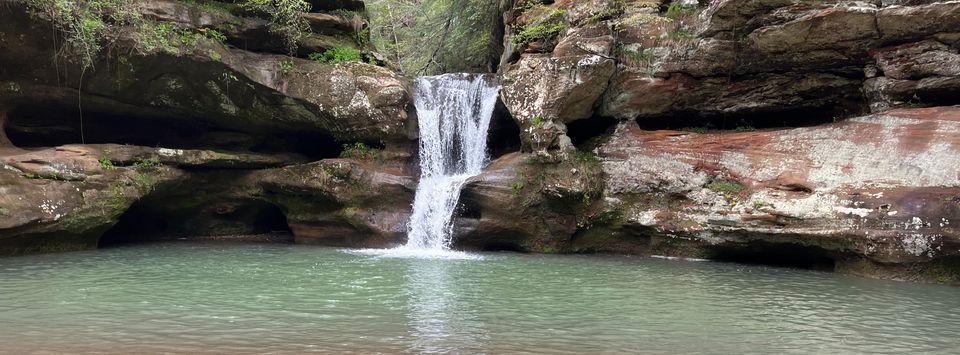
{"x":253,"y":141}
{"x":880,"y":186}
{"x":871,"y":194}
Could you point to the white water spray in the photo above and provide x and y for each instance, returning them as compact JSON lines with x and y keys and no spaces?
{"x":454,"y":113}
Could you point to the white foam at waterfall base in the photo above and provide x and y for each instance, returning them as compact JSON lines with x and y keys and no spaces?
{"x":453,"y":111}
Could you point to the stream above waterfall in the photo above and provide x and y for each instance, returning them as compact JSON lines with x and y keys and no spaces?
{"x":216,"y":298}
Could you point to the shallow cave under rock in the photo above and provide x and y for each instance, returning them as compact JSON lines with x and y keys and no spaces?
{"x":55,"y":123}
{"x":153,"y":220}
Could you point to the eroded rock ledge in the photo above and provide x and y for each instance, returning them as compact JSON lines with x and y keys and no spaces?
{"x":876,"y":195}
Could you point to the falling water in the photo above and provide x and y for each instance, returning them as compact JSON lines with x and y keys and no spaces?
{"x":454,"y":113}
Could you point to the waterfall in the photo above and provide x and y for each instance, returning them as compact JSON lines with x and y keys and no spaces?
{"x":454,"y":113}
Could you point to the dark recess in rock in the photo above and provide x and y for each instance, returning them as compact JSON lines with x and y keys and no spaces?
{"x":148,"y":222}
{"x":504,"y":133}
{"x":586,"y":133}
{"x":789,"y":255}
{"x":54,"y":124}
{"x":804,"y":117}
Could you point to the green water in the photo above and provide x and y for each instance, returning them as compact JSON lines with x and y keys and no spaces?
{"x":190,"y":298}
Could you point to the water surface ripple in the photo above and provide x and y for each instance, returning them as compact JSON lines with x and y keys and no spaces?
{"x":194,"y":298}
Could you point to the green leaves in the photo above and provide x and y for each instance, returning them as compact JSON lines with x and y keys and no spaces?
{"x":286,"y":18}
{"x":339,"y":54}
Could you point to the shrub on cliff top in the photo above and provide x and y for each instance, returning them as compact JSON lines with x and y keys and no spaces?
{"x":84,"y":23}
{"x":339,"y":54}
{"x":286,"y":18}
{"x":546,"y":23}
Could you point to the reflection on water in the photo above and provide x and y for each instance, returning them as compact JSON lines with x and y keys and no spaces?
{"x":442,"y":319}
{"x":186,"y":298}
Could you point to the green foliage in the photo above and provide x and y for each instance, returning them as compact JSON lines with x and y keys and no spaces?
{"x":680,"y":33}
{"x":726,"y":186}
{"x":30,"y":175}
{"x":106,"y":163}
{"x":344,"y":13}
{"x":517,"y":185}
{"x":538,"y":32}
{"x":147,"y":163}
{"x":639,"y":56}
{"x":548,"y":25}
{"x":519,"y":182}
{"x":745,"y":129}
{"x":758,"y":204}
{"x":286,"y":18}
{"x":585,"y":157}
{"x":362,"y":37}
{"x":190,"y":39}
{"x":676,"y":11}
{"x":603,"y":15}
{"x":700,"y":130}
{"x":427,"y":37}
{"x":84,"y":24}
{"x":285,"y":65}
{"x":214,"y":35}
{"x":359,"y":151}
{"x":523,"y":5}
{"x":339,"y":54}
{"x":214,"y":55}
{"x":212,"y":6}
{"x":154,"y":36}
{"x":914,"y":101}
{"x":537,"y":120}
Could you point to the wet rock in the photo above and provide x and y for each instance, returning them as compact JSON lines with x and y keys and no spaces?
{"x":221,"y":86}
{"x":521,"y":202}
{"x":64,"y":200}
{"x":341,"y":202}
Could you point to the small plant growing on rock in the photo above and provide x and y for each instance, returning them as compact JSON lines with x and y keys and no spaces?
{"x":639,"y":56}
{"x":914,"y":101}
{"x":676,"y":10}
{"x":726,"y":186}
{"x":537,"y":120}
{"x":190,"y":39}
{"x":549,"y":24}
{"x":339,"y":54}
{"x":286,"y":18}
{"x":146,"y":163}
{"x":106,"y":163}
{"x":745,"y":129}
{"x":344,"y":13}
{"x":285,"y":66}
{"x":700,"y":130}
{"x":585,"y":157}
{"x":758,"y":204}
{"x":214,"y":35}
{"x":85,"y":24}
{"x":519,"y":182}
{"x":359,"y":151}
{"x":680,"y":33}
{"x":362,"y":37}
